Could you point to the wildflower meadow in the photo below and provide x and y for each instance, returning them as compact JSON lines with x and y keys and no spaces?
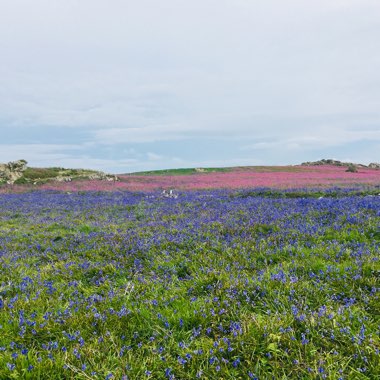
{"x":214,"y":284}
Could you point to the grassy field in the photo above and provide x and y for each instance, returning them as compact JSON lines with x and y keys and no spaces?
{"x":41,"y":176}
{"x":183,"y":171}
{"x":217,"y":284}
{"x":253,"y":169}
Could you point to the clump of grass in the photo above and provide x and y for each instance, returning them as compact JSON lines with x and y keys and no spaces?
{"x":352,"y":168}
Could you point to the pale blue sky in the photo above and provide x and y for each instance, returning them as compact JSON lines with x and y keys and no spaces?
{"x":122,"y":85}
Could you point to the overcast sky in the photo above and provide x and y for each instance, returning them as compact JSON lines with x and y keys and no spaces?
{"x":127,"y":85}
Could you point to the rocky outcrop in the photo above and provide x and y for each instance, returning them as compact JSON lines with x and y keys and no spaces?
{"x":12,"y":171}
{"x":63,"y":179}
{"x":103,"y":177}
{"x":169,"y":194}
{"x":111,"y":178}
{"x":98,"y":175}
{"x":330,"y":161}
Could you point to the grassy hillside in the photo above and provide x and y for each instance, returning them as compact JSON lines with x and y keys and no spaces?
{"x":183,"y":171}
{"x":42,"y":175}
{"x":254,"y":169}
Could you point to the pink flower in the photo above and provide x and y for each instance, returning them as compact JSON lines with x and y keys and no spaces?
{"x":279,"y":177}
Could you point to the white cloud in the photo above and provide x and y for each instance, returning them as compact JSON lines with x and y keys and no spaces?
{"x":42,"y":153}
{"x":118,"y":166}
{"x":47,"y":155}
{"x":152,"y":133}
{"x":325,"y":138}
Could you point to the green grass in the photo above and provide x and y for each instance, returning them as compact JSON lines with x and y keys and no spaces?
{"x":183,"y":171}
{"x":41,"y":175}
{"x":188,"y":171}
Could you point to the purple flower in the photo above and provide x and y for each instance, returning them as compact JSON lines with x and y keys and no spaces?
{"x":11,"y":366}
{"x":168,"y":373}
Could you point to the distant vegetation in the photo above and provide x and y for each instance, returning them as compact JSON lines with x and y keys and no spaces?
{"x":45,"y":173}
{"x":189,"y":171}
{"x":183,"y":171}
{"x":311,"y":174}
{"x":42,"y":175}
{"x":330,"y":161}
{"x":352,"y":168}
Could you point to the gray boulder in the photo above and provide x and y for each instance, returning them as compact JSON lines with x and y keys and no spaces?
{"x":103,"y":177}
{"x":169,"y":194}
{"x":63,"y":179}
